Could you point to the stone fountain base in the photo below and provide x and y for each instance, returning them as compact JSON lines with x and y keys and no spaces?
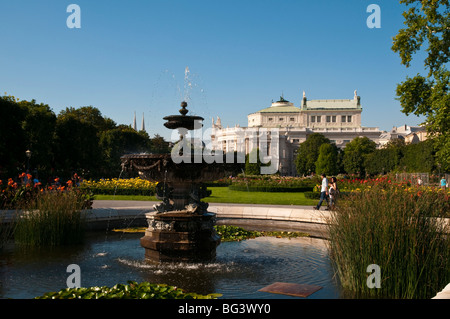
{"x":180,"y":236}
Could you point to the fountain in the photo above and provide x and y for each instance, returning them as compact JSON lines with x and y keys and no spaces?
{"x":181,"y":228}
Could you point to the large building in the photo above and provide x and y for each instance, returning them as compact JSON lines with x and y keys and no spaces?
{"x":338,"y":120}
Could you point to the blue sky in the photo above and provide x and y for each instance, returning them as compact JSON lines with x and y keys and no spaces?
{"x":131,"y":56}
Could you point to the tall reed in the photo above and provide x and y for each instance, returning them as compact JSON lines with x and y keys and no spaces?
{"x":55,"y":218}
{"x":7,"y":226}
{"x":393,"y":229}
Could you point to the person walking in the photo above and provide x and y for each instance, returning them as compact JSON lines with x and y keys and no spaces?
{"x":419,"y":181}
{"x":323,"y":191}
{"x":333,"y":192}
{"x":443,"y":183}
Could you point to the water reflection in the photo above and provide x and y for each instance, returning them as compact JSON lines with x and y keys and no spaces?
{"x":239,"y":271}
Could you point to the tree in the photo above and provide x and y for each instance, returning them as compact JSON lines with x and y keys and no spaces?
{"x":39,"y":126}
{"x":327,"y":162}
{"x":90,"y":115}
{"x":427,"y":29}
{"x":12,"y":136}
{"x":308,"y":153}
{"x":118,"y":142}
{"x":251,"y":167}
{"x":386,"y":159}
{"x":355,"y":154}
{"x":76,"y":147}
{"x":159,"y":145}
{"x":419,"y":157}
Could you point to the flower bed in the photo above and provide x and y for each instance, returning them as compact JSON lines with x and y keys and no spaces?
{"x":116,"y":186}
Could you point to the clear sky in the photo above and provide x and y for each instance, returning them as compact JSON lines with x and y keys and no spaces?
{"x":131,"y":56}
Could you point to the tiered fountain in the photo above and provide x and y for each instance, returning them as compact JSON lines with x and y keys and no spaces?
{"x":181,"y":228}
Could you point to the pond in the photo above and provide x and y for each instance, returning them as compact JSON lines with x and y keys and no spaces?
{"x":105,"y":259}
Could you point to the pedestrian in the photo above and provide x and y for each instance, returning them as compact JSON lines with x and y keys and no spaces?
{"x":443,"y":183}
{"x":334,"y":191}
{"x":323,"y":191}
{"x":419,"y":181}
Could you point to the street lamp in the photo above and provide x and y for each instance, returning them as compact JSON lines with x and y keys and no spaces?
{"x":28,"y":154}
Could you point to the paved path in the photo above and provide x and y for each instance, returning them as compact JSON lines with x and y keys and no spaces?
{"x":252,"y":216}
{"x":292,"y":213}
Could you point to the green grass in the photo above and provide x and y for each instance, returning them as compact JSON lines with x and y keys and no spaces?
{"x":225,"y":195}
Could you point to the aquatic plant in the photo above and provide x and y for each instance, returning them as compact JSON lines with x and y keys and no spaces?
{"x":392,"y":228}
{"x":132,"y":290}
{"x":54,"y":218}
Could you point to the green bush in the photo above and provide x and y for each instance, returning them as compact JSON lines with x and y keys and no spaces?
{"x":312,"y":195}
{"x":269,"y":188}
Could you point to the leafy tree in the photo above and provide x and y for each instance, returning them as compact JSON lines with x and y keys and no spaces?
{"x":250,"y":167}
{"x":159,"y":145}
{"x":386,"y":159}
{"x":419,"y":157}
{"x":12,"y":136}
{"x":327,"y":162}
{"x":39,"y":126}
{"x":427,"y":29}
{"x":90,"y":115}
{"x":308,"y":153}
{"x":76,"y":147}
{"x":355,"y":154}
{"x":119,"y":141}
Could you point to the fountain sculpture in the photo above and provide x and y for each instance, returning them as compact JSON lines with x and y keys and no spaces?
{"x":181,"y":228}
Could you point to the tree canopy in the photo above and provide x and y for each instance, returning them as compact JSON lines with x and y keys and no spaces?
{"x":427,"y":29}
{"x":308,"y":153}
{"x":78,"y":140}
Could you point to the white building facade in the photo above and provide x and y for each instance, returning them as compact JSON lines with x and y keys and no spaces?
{"x":338,"y":120}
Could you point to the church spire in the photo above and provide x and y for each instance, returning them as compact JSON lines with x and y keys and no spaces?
{"x":134,"y":122}
{"x":143,"y":123}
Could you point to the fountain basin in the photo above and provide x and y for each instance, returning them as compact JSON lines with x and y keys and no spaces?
{"x":180,"y":236}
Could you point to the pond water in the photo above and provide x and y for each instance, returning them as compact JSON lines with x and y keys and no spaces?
{"x":239,"y":271}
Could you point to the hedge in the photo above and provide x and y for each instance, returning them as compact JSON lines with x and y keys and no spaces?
{"x":281,"y":189}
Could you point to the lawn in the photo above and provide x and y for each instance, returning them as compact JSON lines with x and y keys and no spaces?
{"x":225,"y":195}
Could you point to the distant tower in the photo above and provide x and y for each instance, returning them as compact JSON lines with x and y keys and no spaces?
{"x":134,"y":122}
{"x":143,"y":123}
